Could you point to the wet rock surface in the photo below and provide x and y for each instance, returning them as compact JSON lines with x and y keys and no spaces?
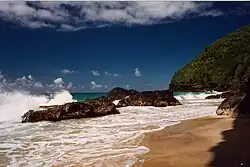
{"x":102,"y":106}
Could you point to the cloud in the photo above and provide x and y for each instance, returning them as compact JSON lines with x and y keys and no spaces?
{"x":70,"y":85}
{"x":30,"y":84}
{"x":58,"y":81}
{"x":94,"y":85}
{"x":67,"y":71}
{"x":111,"y":74}
{"x":127,"y":86}
{"x":137,"y":72}
{"x":95,"y":73}
{"x":213,"y":13}
{"x":73,"y":16}
{"x":30,"y":77}
{"x":38,"y":84}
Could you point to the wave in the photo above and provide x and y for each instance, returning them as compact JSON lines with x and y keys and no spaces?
{"x":15,"y":103}
{"x":183,"y":96}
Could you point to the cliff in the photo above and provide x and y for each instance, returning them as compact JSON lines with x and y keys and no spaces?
{"x":223,"y":65}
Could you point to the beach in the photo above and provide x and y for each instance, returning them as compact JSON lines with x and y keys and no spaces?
{"x":208,"y":141}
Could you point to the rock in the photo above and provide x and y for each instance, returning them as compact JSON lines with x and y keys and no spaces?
{"x":221,"y":96}
{"x":150,"y":98}
{"x":227,"y":106}
{"x":102,"y":106}
{"x":70,"y":111}
{"x":238,"y":105}
{"x":119,"y":93}
{"x":106,"y":110}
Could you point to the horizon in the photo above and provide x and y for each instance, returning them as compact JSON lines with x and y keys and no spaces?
{"x":87,"y":47}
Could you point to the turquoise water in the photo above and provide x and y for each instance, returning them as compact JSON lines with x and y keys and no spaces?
{"x":84,"y":96}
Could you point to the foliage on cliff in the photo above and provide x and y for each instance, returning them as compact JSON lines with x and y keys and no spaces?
{"x":224,"y":63}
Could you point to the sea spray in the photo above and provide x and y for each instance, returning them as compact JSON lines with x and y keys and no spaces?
{"x":15,"y":103}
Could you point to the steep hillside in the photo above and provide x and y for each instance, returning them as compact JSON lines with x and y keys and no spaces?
{"x":224,"y":65}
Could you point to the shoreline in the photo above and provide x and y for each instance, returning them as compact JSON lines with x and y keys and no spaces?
{"x":206,"y":141}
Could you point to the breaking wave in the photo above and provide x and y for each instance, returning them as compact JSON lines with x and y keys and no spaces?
{"x":185,"y":97}
{"x":15,"y":103}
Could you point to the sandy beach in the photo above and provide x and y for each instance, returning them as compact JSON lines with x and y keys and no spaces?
{"x":209,"y":141}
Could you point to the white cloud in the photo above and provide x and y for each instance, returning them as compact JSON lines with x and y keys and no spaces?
{"x":67,"y":71}
{"x":137,"y":72}
{"x":114,"y":74}
{"x":30,"y":77}
{"x":70,"y":85}
{"x":58,"y":81}
{"x":127,"y":86}
{"x":59,"y":15}
{"x":30,"y":84}
{"x":94,"y":85}
{"x":38,"y":84}
{"x":95,"y":73}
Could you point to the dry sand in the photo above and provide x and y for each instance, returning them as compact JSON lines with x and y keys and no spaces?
{"x":209,"y":141}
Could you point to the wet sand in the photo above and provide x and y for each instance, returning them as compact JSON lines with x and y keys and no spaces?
{"x":209,"y":141}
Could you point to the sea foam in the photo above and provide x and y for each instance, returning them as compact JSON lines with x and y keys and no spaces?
{"x":14,"y":104}
{"x":86,"y":141}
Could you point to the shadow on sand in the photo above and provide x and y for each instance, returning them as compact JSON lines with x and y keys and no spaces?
{"x":234,"y":150}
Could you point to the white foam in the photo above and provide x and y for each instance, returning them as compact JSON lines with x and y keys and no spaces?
{"x":87,"y":141}
{"x":14,"y":104}
{"x":193,"y":96}
{"x":115,"y":102}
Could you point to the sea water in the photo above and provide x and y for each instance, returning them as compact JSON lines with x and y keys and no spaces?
{"x":93,"y":141}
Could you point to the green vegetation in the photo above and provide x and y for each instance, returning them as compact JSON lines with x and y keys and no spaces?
{"x":225,"y":63}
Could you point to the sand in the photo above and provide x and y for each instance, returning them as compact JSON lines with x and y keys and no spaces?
{"x":210,"y":141}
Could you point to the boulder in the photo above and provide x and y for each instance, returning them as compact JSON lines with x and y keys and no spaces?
{"x":150,"y":98}
{"x":228,"y":106}
{"x":238,"y":105}
{"x":119,"y":93}
{"x":69,"y":111}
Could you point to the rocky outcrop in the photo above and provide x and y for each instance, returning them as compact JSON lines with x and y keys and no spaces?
{"x":102,"y":106}
{"x":69,"y":111}
{"x":150,"y":98}
{"x":237,"y":105}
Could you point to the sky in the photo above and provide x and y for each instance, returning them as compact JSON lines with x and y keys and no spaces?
{"x":96,"y":46}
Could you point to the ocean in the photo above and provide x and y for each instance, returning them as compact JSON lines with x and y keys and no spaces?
{"x":91,"y":141}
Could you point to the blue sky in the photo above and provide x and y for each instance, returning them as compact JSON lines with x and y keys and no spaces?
{"x":93,"y":47}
